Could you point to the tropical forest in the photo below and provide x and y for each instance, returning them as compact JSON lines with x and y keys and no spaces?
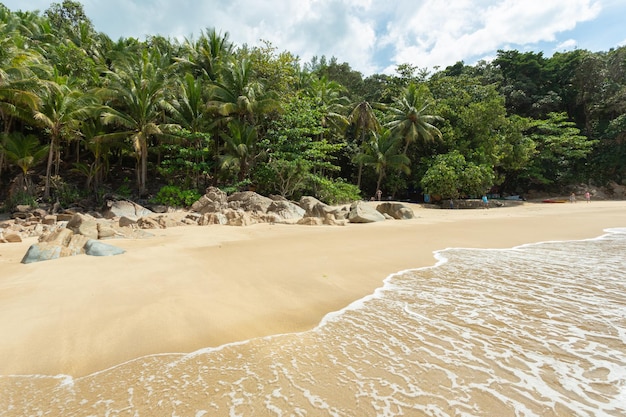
{"x":84,"y":116}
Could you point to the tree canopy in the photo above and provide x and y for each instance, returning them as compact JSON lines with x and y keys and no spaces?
{"x":194,"y":113}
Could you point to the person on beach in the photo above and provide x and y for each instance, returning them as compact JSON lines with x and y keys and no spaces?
{"x":587,"y":197}
{"x":379,"y":194}
{"x":572,"y":198}
{"x":485,"y":201}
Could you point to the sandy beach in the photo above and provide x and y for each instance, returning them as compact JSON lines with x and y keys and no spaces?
{"x":193,"y":287}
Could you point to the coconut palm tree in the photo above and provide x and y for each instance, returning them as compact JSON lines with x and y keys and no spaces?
{"x":240,"y":146}
{"x":365,"y":123}
{"x":409,"y":117}
{"x":25,"y":152}
{"x":60,"y":114}
{"x":382,"y":154}
{"x":207,"y":55}
{"x":330,"y":99}
{"x":19,"y":87}
{"x":137,"y":98}
{"x":238,"y":95}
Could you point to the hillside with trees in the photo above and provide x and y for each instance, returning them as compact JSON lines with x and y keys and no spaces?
{"x":83,"y":116}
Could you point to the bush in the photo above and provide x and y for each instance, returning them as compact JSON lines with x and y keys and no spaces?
{"x":336,"y":191}
{"x":171,"y":195}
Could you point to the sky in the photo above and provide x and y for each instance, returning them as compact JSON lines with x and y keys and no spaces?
{"x":372,"y":36}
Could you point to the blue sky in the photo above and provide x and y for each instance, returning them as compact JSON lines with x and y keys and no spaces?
{"x":373,"y":36}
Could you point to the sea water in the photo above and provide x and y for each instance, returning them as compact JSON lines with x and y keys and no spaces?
{"x":537,"y":330}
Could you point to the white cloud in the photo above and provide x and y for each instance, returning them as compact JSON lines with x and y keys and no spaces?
{"x":371,"y":35}
{"x":566,"y":45}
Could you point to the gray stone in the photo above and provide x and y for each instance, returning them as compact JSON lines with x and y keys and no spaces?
{"x":38,"y":253}
{"x":96,"y":248}
{"x":396,"y":211}
{"x":213,"y":201}
{"x":314,"y":208}
{"x":249,"y":201}
{"x":361,"y":212}
{"x":124,"y":208}
{"x":286,"y":210}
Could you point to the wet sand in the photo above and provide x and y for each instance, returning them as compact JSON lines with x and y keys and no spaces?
{"x":193,"y":287}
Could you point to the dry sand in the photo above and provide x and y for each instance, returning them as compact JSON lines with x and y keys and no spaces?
{"x":194,"y":287}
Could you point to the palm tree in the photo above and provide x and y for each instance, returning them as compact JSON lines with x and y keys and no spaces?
{"x":60,"y":114}
{"x":189,"y":108}
{"x":237,"y":95}
{"x":138,"y":97}
{"x":409,"y":117}
{"x":382,"y":154}
{"x":330,"y":99}
{"x":365,"y":123}
{"x":240,"y":145}
{"x":18,"y":85}
{"x":208,"y":54}
{"x":23,"y":151}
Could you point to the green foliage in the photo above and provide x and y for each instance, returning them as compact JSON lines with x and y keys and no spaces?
{"x":244,"y":185}
{"x":124,"y":189}
{"x":336,"y":191}
{"x":172,"y":195}
{"x":187,"y":163}
{"x":515,"y":117}
{"x":65,"y":193}
{"x":451,"y":176}
{"x":20,"y":198}
{"x":559,"y":145}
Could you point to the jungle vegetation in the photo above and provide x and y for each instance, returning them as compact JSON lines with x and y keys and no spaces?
{"x":82,"y":115}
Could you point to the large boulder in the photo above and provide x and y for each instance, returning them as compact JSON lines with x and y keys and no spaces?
{"x":249,"y":201}
{"x":314,"y":208}
{"x":286,"y":210}
{"x":212,"y":218}
{"x":64,"y":242}
{"x":83,"y":224}
{"x":97,"y":248}
{"x":124,"y":208}
{"x":396,"y":211}
{"x":361,"y":212}
{"x":213,"y":201}
{"x":238,"y":218}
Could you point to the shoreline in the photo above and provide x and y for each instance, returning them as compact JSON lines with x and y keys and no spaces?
{"x":190,"y":288}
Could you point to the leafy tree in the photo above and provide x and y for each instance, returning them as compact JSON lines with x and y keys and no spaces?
{"x":68,"y":16}
{"x":277,"y":72}
{"x":559,"y":145}
{"x":451,"y":176}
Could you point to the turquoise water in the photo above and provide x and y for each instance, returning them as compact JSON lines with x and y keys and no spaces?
{"x":537,"y":330}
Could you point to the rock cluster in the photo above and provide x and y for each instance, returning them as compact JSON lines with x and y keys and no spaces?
{"x":70,"y":233}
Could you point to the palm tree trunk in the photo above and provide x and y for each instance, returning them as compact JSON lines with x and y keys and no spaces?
{"x":380,"y":180}
{"x":51,"y":152}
